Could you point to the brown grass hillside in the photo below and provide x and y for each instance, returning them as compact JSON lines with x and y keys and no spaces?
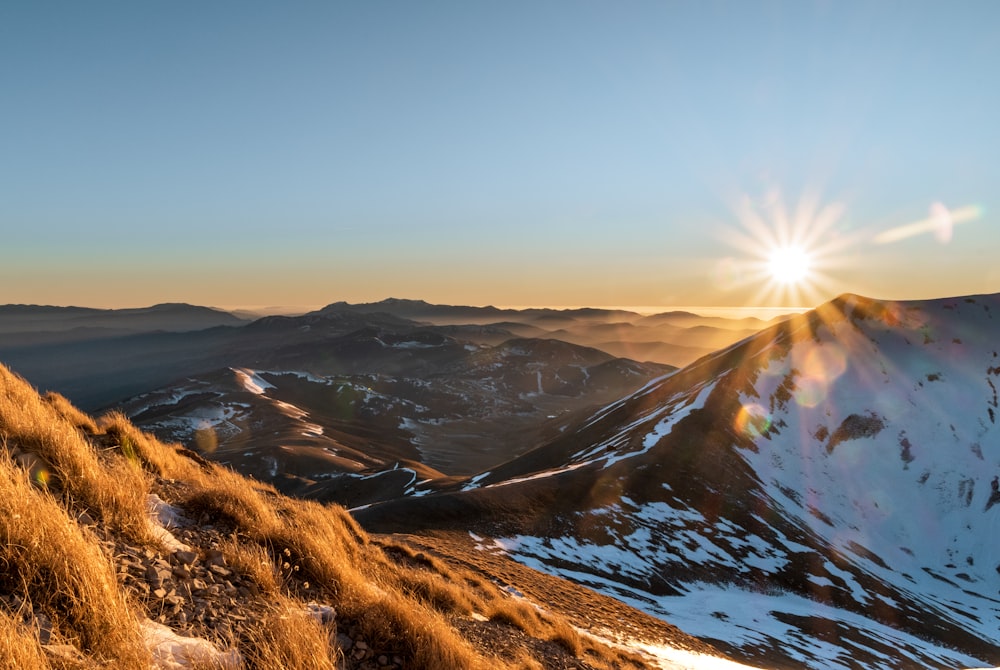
{"x":265,"y":581}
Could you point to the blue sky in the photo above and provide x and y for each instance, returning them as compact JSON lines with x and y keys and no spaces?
{"x":559,"y":153}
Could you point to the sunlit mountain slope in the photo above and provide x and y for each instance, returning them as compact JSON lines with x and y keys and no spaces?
{"x":821,"y":494}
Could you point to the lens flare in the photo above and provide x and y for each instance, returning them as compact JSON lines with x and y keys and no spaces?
{"x":752,"y":420}
{"x":810,"y":391}
{"x":941,"y":223}
{"x":824,"y":361}
{"x":205,"y":438}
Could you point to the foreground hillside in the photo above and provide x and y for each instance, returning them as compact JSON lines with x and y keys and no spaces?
{"x":122,"y":552}
{"x":823,"y":494}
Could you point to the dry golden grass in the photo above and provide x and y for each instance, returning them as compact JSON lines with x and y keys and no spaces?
{"x":526,"y":662}
{"x":563,"y":634}
{"x":331,"y":551}
{"x":150,"y":453}
{"x":252,"y":560}
{"x":516,"y":613}
{"x":48,"y":559}
{"x":114,"y":493}
{"x":18,"y":649}
{"x":70,"y":413}
{"x":396,"y":622}
{"x":229,"y":498}
{"x":434,"y":591}
{"x":289,"y":638}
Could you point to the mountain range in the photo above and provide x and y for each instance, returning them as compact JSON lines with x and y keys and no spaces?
{"x":821,"y":492}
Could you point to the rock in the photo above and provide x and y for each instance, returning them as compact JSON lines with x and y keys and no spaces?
{"x":219,"y":570}
{"x":322,"y":614}
{"x":344,"y":642}
{"x":160,"y":592}
{"x":44,"y":627}
{"x":215,"y":557}
{"x":64,"y":652}
{"x":185,"y":557}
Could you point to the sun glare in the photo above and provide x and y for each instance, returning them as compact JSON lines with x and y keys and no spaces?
{"x":789,"y":265}
{"x":786,"y":250}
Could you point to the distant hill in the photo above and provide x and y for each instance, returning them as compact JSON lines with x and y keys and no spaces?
{"x":26,"y":325}
{"x":672,"y":338}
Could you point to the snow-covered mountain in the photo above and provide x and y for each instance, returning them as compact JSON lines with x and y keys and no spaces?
{"x":822,"y":494}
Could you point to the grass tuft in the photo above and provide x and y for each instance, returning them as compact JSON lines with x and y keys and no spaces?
{"x":49,"y":561}
{"x":289,"y":638}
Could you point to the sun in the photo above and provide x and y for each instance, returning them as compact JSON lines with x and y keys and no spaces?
{"x":786,"y":250}
{"x":789,"y":265}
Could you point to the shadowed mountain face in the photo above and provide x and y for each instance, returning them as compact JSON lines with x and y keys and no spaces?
{"x":822,"y":494}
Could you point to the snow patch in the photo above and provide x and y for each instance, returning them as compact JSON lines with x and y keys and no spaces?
{"x":171,"y":651}
{"x":161,"y":516}
{"x":251,"y":381}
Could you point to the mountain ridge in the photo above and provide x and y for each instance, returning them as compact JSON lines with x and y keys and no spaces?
{"x":637,"y":503}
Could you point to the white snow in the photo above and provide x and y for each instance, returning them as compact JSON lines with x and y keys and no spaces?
{"x":251,"y":381}
{"x":742,"y":617}
{"x":161,"y":516}
{"x":413,"y":344}
{"x":901,"y":494}
{"x":474,"y":482}
{"x":914,"y":493}
{"x":171,"y":651}
{"x":536,"y":475}
{"x":677,"y":411}
{"x":666,"y":657}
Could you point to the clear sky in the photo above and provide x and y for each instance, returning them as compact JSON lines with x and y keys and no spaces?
{"x":513,"y":153}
